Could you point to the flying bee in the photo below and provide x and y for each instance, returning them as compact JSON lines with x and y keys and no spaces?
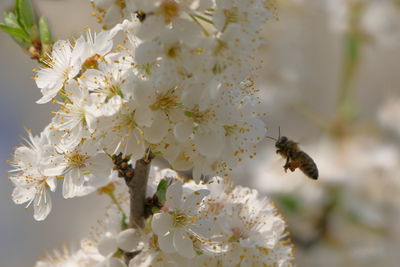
{"x":295,"y":157}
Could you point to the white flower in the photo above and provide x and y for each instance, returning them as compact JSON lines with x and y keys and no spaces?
{"x":95,"y":44}
{"x":86,"y":169}
{"x":111,"y":12}
{"x":251,"y":232}
{"x":121,"y":133}
{"x":389,"y":114}
{"x":178,"y":221}
{"x":36,"y":175}
{"x":381,"y":20}
{"x":109,"y":82}
{"x":64,"y":65}
{"x":85,"y":256}
{"x":77,"y":116}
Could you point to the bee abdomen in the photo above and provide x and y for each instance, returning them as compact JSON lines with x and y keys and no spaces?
{"x":308,"y":166}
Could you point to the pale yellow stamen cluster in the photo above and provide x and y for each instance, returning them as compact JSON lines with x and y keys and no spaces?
{"x":77,"y":160}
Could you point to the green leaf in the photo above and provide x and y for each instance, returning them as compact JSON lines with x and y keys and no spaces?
{"x":233,"y":239}
{"x":162,"y":191}
{"x":17,"y":33}
{"x":11,"y":20}
{"x":44,"y":31}
{"x":188,"y":114}
{"x":25,"y":15}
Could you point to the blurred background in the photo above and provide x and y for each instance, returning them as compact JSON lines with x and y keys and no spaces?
{"x":330,"y":80}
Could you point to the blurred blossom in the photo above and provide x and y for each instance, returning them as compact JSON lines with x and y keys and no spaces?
{"x":389,"y":114}
{"x":381,"y":21}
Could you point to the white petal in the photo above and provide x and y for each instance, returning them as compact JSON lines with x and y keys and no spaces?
{"x":194,"y":200}
{"x":147,"y":52}
{"x":22,"y":194}
{"x":51,"y":182}
{"x":209,"y":142}
{"x":144,"y":116}
{"x":114,"y":262}
{"x":73,"y":182}
{"x":166,"y":243}
{"x":129,"y":240}
{"x":174,"y":196}
{"x":183,"y":130}
{"x":42,"y":205}
{"x":183,"y":244}
{"x":203,"y":228}
{"x":158,"y":129}
{"x":107,"y":244}
{"x":161,"y":223}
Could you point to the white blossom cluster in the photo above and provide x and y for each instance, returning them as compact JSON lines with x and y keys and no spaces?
{"x":175,"y":80}
{"x":208,"y":224}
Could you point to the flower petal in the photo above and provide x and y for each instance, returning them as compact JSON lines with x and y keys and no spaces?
{"x":203,"y":228}
{"x":42,"y":204}
{"x":107,"y":244}
{"x":174,"y":196}
{"x":166,"y":243}
{"x":129,"y":240}
{"x":161,"y":223}
{"x":183,"y":130}
{"x":183,"y":244}
{"x":193,"y":201}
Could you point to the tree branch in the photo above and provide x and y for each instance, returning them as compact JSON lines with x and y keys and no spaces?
{"x":137,"y":190}
{"x":136,"y":180}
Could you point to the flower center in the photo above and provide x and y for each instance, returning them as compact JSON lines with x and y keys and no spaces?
{"x":180,"y":219}
{"x":170,"y":10}
{"x":166,"y":101}
{"x":199,"y":116}
{"x":91,"y":63}
{"x":121,"y":4}
{"x":237,"y":234}
{"x":173,"y":51}
{"x":77,"y":160}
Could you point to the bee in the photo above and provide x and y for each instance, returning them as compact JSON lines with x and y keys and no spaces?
{"x":295,"y":157}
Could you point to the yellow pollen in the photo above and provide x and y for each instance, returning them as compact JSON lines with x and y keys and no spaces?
{"x":170,"y":10}
{"x":77,"y":160}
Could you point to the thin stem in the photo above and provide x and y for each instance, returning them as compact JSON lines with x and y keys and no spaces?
{"x":116,"y":202}
{"x":346,"y":109}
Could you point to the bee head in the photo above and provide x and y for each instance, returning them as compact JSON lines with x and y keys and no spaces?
{"x":281,"y":141}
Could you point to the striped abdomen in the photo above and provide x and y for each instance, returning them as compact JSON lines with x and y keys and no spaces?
{"x":307,"y":166}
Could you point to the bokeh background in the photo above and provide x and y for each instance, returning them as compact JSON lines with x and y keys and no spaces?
{"x":330,"y":80}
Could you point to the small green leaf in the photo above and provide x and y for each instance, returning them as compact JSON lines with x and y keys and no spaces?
{"x":162,"y":191}
{"x":155,"y":210}
{"x":188,"y":114}
{"x":18,"y":34}
{"x":124,"y":219}
{"x":25,"y":15}
{"x":233,"y":239}
{"x":44,"y":31}
{"x":11,"y":20}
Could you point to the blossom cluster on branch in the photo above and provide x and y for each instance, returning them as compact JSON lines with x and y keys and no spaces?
{"x":207,"y":224}
{"x":178,"y":83}
{"x":174,"y":80}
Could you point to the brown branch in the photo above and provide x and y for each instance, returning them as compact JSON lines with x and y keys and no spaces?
{"x":136,"y":180}
{"x":137,"y":190}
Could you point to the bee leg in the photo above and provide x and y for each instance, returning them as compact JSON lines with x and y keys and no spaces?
{"x":287,"y":164}
{"x":293,"y":165}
